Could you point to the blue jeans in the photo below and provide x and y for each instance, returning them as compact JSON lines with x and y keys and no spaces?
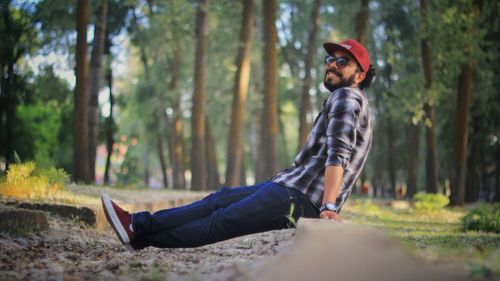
{"x":227,"y":213}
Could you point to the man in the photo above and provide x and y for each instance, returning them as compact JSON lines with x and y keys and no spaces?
{"x":316,"y":185}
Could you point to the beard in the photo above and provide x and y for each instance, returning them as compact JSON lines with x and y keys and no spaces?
{"x":344,"y":82}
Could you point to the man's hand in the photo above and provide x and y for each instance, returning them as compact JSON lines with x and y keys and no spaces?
{"x":330,"y":215}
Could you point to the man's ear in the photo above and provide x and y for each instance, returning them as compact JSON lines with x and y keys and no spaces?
{"x":360,"y":76}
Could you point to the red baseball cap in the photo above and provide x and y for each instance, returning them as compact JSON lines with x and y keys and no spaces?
{"x":352,"y":47}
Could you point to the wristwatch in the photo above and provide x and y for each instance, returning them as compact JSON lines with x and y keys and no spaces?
{"x":328,"y":206}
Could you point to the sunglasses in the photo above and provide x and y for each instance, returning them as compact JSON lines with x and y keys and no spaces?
{"x":340,"y":61}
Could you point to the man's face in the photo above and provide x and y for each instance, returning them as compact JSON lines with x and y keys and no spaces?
{"x":338,"y":76}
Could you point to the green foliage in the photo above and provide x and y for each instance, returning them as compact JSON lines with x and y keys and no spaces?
{"x":18,"y":35}
{"x":37,"y":131}
{"x":483,"y":217}
{"x":56,"y":19}
{"x":44,"y":130}
{"x":27,"y":181}
{"x":425,"y":202}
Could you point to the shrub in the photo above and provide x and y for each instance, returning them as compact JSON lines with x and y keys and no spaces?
{"x":483,"y":217}
{"x":26,"y":181}
{"x":427,"y":202}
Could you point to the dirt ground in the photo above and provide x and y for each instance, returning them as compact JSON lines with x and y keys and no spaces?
{"x":70,"y":250}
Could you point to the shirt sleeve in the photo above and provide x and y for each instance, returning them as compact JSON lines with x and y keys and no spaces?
{"x":343,"y":116}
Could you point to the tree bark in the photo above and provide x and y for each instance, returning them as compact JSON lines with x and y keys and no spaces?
{"x":159,"y":146}
{"x":146,"y":166}
{"x":109,"y":130}
{"x":305,"y":100}
{"x":235,"y":155}
{"x":413,"y":143}
{"x":94,"y":83}
{"x":11,"y":55}
{"x":255,"y":140}
{"x":482,"y":178}
{"x":177,"y":142}
{"x":497,"y":161}
{"x":243,"y":175}
{"x":471,"y":183}
{"x":284,"y":159}
{"x":10,"y":113}
{"x":362,"y":21}
{"x":269,"y":133}
{"x":390,"y":155}
{"x":179,"y":180}
{"x":211,"y":158}
{"x":81,"y":150}
{"x":431,"y":179}
{"x":198,"y":153}
{"x":431,"y":161}
{"x":3,"y":99}
{"x":464,"y":95}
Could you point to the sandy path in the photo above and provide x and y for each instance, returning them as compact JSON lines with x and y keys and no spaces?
{"x":73,"y":251}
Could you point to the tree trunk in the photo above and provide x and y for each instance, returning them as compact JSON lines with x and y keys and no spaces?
{"x":305,"y":100}
{"x":81,"y":149}
{"x":255,"y":143}
{"x":362,"y":21}
{"x":464,"y":95}
{"x":7,"y":99}
{"x":431,"y":161}
{"x":285,"y":161}
{"x":497,"y":162}
{"x":159,"y":146}
{"x":198,"y":153}
{"x":211,"y":158}
{"x":235,"y":156}
{"x":179,"y":180}
{"x":243,"y":175}
{"x":378,"y":187}
{"x":413,"y":143}
{"x":175,"y":140}
{"x":269,"y":132}
{"x":390,"y":160}
{"x":431,"y":181}
{"x":3,"y":100}
{"x":482,"y":179}
{"x":109,"y":130}
{"x":94,"y":83}
{"x":146,"y":166}
{"x":471,"y":187}
{"x":10,"y":113}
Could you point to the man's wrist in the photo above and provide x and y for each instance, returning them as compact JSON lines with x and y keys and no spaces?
{"x":328,"y":206}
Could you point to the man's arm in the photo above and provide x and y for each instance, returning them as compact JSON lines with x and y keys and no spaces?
{"x":333,"y":180}
{"x":342,"y":115}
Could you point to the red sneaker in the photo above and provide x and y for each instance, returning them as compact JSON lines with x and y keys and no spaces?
{"x":120,"y":220}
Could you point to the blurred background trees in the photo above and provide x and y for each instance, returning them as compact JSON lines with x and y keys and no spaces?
{"x":192,"y":94}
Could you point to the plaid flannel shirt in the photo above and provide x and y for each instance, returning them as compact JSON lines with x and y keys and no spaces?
{"x":343,"y":138}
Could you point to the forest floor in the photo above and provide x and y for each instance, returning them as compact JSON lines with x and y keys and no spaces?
{"x":72,"y":250}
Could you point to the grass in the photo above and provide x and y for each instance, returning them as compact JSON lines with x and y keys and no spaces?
{"x":89,"y":195}
{"x":434,"y":236}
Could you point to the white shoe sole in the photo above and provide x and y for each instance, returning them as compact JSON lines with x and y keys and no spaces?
{"x":113,"y":219}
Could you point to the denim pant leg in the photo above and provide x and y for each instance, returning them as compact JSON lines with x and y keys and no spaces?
{"x":145,"y":223}
{"x":266,"y":209}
